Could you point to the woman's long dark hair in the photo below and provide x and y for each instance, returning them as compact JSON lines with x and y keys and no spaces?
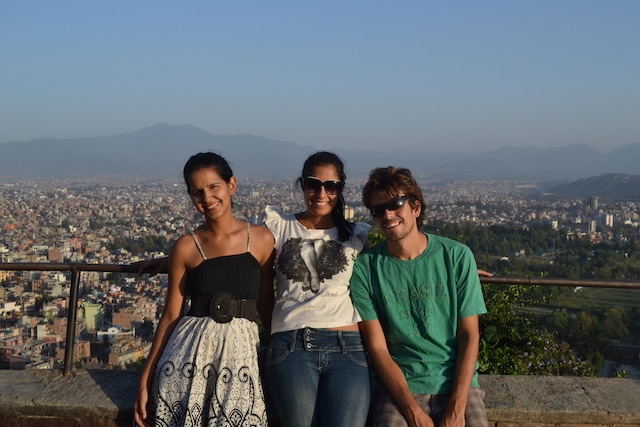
{"x":325,"y":158}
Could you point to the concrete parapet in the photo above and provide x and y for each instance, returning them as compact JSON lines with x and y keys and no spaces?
{"x":100,"y":398}
{"x":104,"y":398}
{"x":556,"y":401}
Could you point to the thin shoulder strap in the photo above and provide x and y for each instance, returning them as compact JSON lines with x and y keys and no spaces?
{"x":248,"y":237}
{"x":198,"y":245}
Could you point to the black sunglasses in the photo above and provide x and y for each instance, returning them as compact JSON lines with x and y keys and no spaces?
{"x":391,"y":205}
{"x":314,"y":185}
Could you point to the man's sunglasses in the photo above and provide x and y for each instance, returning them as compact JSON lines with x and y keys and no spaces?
{"x":391,"y":205}
{"x":314,"y":185}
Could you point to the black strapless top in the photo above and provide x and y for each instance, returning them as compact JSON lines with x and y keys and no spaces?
{"x":238,"y":274}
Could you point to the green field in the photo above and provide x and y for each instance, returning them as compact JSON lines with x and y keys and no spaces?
{"x":595,"y":300}
{"x":598,"y":298}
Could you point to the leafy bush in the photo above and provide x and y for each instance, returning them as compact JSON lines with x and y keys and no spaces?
{"x":513,"y":344}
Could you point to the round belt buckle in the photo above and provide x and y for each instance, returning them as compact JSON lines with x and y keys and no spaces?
{"x":216,"y":308}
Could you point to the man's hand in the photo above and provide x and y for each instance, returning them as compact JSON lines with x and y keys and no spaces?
{"x":451,"y":419}
{"x":419,"y":418}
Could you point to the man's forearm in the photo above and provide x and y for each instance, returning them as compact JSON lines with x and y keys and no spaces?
{"x":391,"y":375}
{"x":468,"y":345}
{"x":396,"y":385}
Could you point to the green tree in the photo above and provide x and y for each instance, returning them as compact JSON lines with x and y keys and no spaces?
{"x":375,"y":236}
{"x":513,"y":343}
{"x":614,"y":323}
{"x":95,"y":224}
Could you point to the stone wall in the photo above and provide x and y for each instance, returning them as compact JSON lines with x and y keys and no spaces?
{"x":102,"y":398}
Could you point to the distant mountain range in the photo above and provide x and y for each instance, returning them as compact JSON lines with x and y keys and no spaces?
{"x":610,"y":185}
{"x":161,"y":150}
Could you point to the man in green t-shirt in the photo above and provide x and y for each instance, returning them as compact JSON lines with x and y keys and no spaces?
{"x":419,"y":297}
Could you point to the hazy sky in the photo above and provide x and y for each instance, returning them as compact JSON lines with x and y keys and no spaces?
{"x":432,"y":76}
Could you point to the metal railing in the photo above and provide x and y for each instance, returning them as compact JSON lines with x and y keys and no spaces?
{"x":554,"y":281}
{"x":76,"y":269}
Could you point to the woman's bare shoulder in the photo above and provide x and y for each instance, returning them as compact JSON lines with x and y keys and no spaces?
{"x":261,"y":232}
{"x":183,"y":243}
{"x":262,"y":240}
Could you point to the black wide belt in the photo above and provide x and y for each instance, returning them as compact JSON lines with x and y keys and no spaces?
{"x":223,"y":307}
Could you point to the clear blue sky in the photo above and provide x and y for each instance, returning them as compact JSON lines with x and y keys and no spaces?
{"x":384,"y":75}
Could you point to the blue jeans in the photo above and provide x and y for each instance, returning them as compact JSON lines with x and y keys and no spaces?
{"x":318,"y":377}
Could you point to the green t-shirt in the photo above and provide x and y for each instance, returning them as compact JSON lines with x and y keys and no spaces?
{"x":418,"y":303}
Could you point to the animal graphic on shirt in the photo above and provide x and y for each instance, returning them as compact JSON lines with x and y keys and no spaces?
{"x":310,"y":262}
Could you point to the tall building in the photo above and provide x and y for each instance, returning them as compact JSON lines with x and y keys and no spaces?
{"x":93,"y":314}
{"x":608,"y":220}
{"x":349,"y":212}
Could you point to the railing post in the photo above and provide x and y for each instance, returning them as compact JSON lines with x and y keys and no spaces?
{"x":71,"y":320}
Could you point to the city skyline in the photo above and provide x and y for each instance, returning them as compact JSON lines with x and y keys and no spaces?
{"x":122,"y":222}
{"x":422,"y":76}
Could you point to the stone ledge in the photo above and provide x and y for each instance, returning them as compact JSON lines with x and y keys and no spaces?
{"x":561,"y":400}
{"x":105,"y":399}
{"x":87,"y":397}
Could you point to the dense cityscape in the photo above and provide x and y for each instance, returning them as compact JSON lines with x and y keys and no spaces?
{"x":120,"y":223}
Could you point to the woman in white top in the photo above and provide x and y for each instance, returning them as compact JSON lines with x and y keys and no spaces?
{"x":316,"y":369}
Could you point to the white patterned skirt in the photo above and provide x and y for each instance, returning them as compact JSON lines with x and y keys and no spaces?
{"x":208,"y":375}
